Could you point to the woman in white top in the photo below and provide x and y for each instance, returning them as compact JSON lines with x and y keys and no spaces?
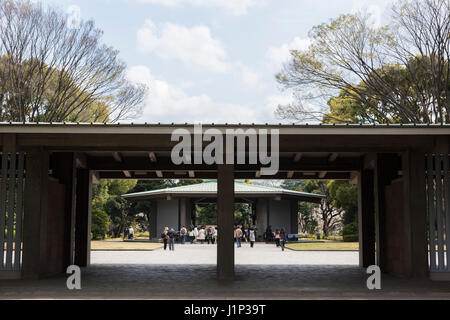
{"x":202,"y":235}
{"x":195,"y":234}
{"x":252,"y":237}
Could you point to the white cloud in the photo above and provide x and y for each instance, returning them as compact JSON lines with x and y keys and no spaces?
{"x":169,"y":103}
{"x":237,"y":7}
{"x":280,"y":55}
{"x":251,"y":79}
{"x":193,"y":46}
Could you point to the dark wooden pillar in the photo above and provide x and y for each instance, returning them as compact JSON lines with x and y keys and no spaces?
{"x":416,"y":254}
{"x":225,"y":222}
{"x":63,"y":165}
{"x":294,"y":217}
{"x":34,"y":261}
{"x":83,"y":218}
{"x":366,"y":218}
{"x":387,"y":167}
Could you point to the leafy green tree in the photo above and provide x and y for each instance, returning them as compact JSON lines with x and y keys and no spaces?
{"x":100,"y":224}
{"x":388,"y":74}
{"x":42,"y":78}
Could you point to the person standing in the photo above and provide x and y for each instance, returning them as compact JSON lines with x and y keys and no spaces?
{"x":165,"y":237}
{"x":238,"y":236}
{"x":171,"y":235}
{"x":191,"y":236}
{"x":213,"y":235}
{"x":201,"y":235}
{"x":183,"y":232}
{"x":251,"y":236}
{"x":195,"y":234}
{"x":131,"y":233}
{"x":282,"y":238}
{"x":277,"y":237}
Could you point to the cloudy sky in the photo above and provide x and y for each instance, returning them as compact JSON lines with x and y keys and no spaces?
{"x":211,"y":60}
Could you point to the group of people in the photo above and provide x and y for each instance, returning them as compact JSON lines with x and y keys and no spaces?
{"x":196,"y":234}
{"x":246,"y":235}
{"x":203,"y":234}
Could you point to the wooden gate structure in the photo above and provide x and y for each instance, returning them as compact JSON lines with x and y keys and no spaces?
{"x":47,"y":171}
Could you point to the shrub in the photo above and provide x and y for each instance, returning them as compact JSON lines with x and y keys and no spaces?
{"x":350,"y":232}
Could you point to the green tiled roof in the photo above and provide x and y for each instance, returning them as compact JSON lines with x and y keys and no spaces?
{"x":210,"y":188}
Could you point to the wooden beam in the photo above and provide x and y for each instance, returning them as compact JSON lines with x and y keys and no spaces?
{"x":165,"y":164}
{"x":159,"y":174}
{"x":238,"y":175}
{"x":322,"y":174}
{"x":191,"y":174}
{"x":290,"y":174}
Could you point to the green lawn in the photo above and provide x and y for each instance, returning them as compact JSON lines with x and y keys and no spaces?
{"x":324,"y":246}
{"x":124,"y":245}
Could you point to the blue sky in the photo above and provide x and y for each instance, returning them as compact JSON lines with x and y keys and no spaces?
{"x":211,"y":60}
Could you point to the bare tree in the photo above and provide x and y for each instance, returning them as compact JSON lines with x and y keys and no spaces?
{"x":399,"y":72}
{"x":50,"y":71}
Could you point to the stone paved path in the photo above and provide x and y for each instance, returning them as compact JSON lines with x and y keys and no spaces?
{"x":189,"y":272}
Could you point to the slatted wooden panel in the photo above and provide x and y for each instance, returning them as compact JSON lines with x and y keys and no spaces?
{"x":438,"y":197}
{"x":11,"y":210}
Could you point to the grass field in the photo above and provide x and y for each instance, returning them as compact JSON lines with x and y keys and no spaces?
{"x":324,"y":246}
{"x":121,"y":245}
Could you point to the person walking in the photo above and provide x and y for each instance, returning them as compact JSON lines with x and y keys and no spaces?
{"x":171,"y":235}
{"x":191,"y":236}
{"x":277,"y":237}
{"x":282,"y":239}
{"x":238,"y":236}
{"x":165,"y":237}
{"x":183,"y":233}
{"x":251,"y":236}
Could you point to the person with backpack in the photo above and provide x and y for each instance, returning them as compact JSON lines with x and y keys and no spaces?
{"x":165,"y":237}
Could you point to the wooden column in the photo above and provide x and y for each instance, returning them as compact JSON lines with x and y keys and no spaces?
{"x":366,"y":218}
{"x":294,"y":217}
{"x":386,"y":169}
{"x":83,"y":218}
{"x":415,"y":213}
{"x":35,"y":215}
{"x":63,"y":165}
{"x":225,"y":222}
